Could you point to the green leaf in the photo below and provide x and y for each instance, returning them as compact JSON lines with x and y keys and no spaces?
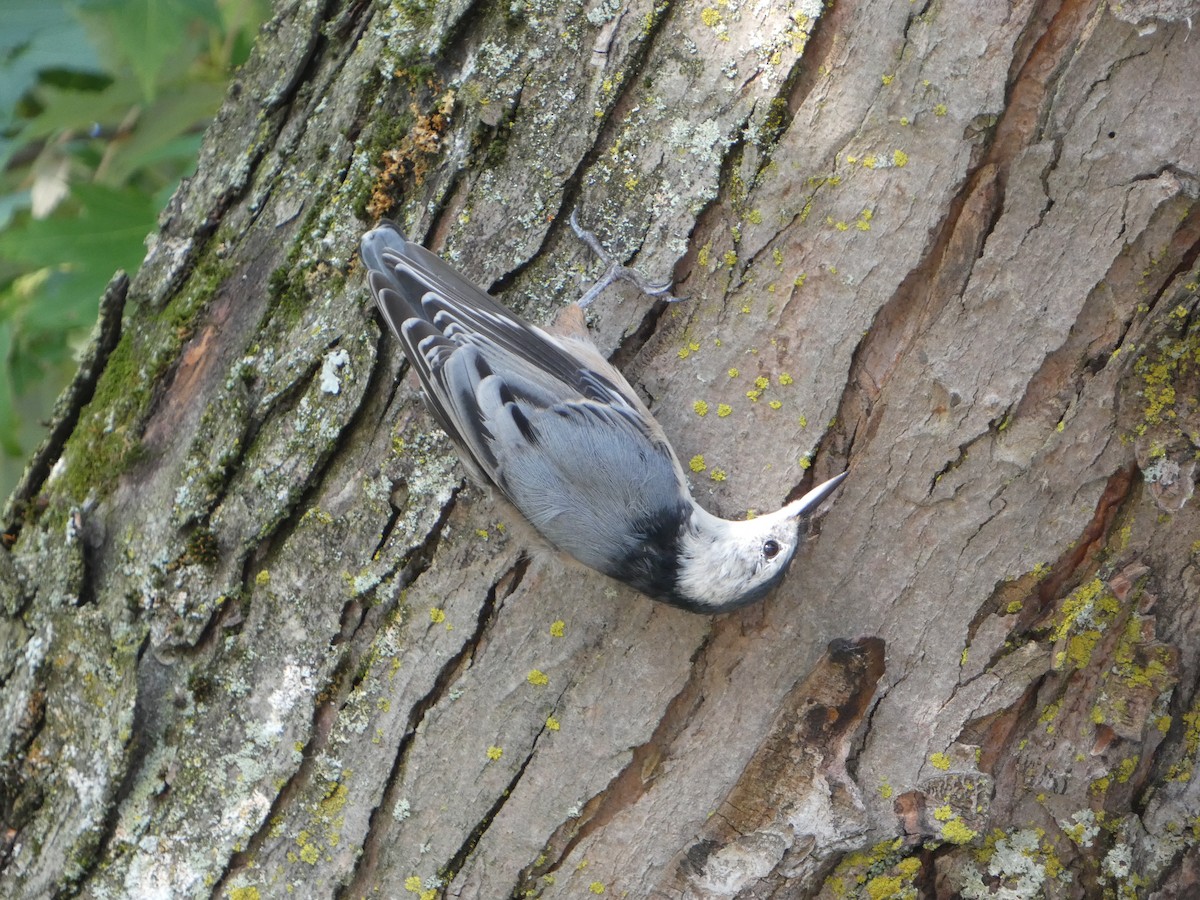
{"x":145,"y":34}
{"x":65,"y":109}
{"x":43,"y":314}
{"x":38,"y":35}
{"x":11,"y":204}
{"x":187,"y":109}
{"x":8,"y":413}
{"x":65,"y":302}
{"x":241,"y":18}
{"x":182,"y":152}
{"x":108,"y":233}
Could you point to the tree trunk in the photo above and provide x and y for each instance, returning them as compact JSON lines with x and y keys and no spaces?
{"x":260,"y":639}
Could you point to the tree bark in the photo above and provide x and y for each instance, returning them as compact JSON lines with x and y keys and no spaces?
{"x":260,"y":639}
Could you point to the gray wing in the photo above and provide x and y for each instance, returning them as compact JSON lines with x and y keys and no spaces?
{"x":569,"y":444}
{"x":413,"y":286}
{"x":590,"y":478}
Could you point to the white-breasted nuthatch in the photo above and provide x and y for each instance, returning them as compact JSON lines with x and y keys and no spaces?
{"x":560,"y":433}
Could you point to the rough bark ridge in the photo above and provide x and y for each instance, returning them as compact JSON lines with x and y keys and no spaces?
{"x":258,"y":639}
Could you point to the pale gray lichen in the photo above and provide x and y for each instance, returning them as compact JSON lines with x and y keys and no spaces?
{"x":1082,"y":828}
{"x":700,"y":140}
{"x":330,"y":383}
{"x":1118,"y":862}
{"x":1017,"y":863}
{"x":604,"y":11}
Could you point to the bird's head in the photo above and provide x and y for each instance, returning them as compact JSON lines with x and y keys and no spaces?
{"x":725,"y":564}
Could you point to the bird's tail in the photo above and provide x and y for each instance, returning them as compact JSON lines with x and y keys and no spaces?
{"x":396,"y":282}
{"x":397,"y":265}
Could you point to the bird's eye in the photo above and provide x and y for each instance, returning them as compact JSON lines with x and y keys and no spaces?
{"x":771,"y":549}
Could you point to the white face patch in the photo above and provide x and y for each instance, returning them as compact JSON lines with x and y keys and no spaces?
{"x":724,"y":564}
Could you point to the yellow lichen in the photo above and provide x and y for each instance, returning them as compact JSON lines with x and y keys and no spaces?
{"x":883,"y":887}
{"x":1080,"y":647}
{"x":494,"y":752}
{"x":537,"y":678}
{"x":1126,"y":768}
{"x":1077,"y":603}
{"x":723,"y":409}
{"x":956,"y":832}
{"x":436,"y":615}
{"x":1050,"y":712}
{"x":558,"y":628}
{"x":697,"y":464}
{"x":940,"y":761}
{"x":700,"y":408}
{"x":908,"y":868}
